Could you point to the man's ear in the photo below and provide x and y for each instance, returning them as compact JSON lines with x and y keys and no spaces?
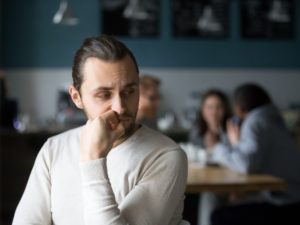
{"x":75,"y":96}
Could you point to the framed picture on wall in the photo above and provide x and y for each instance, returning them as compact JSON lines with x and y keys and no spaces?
{"x":200,"y":18}
{"x":267,"y":19}
{"x":132,"y":18}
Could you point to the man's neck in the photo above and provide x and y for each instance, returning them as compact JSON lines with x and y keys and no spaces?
{"x":126,"y":135}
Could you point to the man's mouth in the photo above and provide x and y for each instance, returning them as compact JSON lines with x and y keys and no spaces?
{"x":124,"y":118}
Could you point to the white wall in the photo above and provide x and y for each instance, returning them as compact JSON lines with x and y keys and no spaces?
{"x":36,"y":89}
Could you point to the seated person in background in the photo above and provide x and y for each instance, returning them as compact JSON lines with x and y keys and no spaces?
{"x":111,"y":170}
{"x":211,"y":124}
{"x":149,"y":101}
{"x":261,"y":145}
{"x":210,"y":129}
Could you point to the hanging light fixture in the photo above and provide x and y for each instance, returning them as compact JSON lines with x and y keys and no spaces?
{"x":64,"y":15}
{"x":208,"y":21}
{"x":134,"y":10}
{"x":278,"y":13}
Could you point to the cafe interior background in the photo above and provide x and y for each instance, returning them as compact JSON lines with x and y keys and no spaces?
{"x":190,"y":46}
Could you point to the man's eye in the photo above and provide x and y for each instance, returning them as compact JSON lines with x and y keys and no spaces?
{"x":129,"y":92}
{"x":103,"y":96}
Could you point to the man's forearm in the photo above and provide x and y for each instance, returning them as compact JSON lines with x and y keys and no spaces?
{"x":100,"y":206}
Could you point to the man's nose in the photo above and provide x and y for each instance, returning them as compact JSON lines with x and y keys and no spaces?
{"x":118,"y":105}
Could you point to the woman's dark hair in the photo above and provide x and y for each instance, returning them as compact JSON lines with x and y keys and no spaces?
{"x":105,"y":48}
{"x":250,"y":96}
{"x":202,"y":124}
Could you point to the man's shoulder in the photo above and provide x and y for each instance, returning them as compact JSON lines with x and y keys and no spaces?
{"x":59,"y":141}
{"x":60,"y":145}
{"x":72,"y":133}
{"x":155,"y":144}
{"x":155,"y":138}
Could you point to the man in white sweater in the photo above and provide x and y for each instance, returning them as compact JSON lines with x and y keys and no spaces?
{"x":111,"y":170}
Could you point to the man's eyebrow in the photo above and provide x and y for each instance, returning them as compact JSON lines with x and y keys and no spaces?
{"x":103,"y":88}
{"x":131,"y":84}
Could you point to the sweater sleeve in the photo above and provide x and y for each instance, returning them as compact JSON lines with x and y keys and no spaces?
{"x":246,"y":155}
{"x":153,"y":200}
{"x":34,"y":206}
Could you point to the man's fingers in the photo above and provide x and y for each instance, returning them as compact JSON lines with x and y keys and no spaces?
{"x":111,"y":119}
{"x":229,"y":124}
{"x":108,"y":115}
{"x":232,"y":126}
{"x":88,"y":122}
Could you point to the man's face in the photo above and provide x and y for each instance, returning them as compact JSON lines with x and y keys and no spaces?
{"x":110,"y":86}
{"x":241,"y":114}
{"x":149,"y":101}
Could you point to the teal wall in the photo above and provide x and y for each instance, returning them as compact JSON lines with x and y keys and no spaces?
{"x":30,"y":39}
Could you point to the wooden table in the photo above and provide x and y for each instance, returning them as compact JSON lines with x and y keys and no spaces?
{"x":220,"y":179}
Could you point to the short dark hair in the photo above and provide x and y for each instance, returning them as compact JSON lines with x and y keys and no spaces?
{"x":148,"y":82}
{"x":202,"y":124}
{"x":250,"y":96}
{"x":105,"y":47}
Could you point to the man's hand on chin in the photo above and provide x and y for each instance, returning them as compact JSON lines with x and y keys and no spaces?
{"x":98,"y":135}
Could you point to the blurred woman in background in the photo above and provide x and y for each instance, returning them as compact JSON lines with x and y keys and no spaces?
{"x":210,"y":128}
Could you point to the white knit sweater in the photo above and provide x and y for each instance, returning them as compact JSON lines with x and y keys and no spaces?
{"x":141,"y":182}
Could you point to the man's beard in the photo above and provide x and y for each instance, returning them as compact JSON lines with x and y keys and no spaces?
{"x":131,"y":126}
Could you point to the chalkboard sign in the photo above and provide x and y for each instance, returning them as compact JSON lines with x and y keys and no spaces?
{"x":200,"y":18}
{"x":267,"y":18}
{"x":132,"y":18}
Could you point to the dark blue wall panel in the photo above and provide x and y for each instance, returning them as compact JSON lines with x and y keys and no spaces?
{"x":32,"y":40}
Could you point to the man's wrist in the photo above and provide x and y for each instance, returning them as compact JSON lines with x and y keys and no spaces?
{"x":93,"y":156}
{"x":93,"y":170}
